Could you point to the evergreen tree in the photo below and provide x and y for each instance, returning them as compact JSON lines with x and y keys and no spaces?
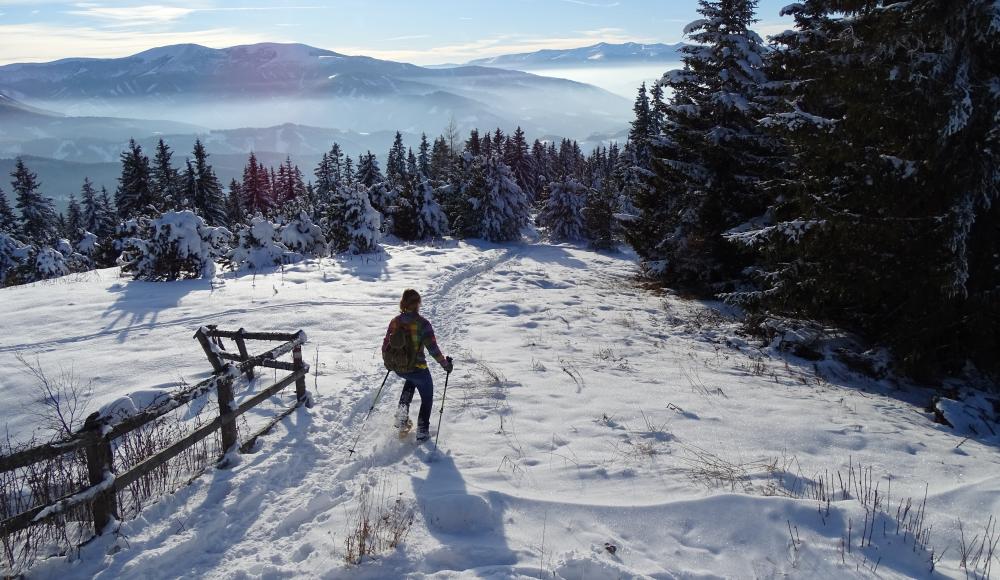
{"x":643,"y":125}
{"x":235,"y":213}
{"x":395,"y":164}
{"x":134,"y":197}
{"x":563,"y":213}
{"x":412,"y":170}
{"x":363,"y":223}
{"x":893,"y":181}
{"x":441,"y":161}
{"x":290,"y":190}
{"x":8,"y":221}
{"x":501,"y":206}
{"x":74,"y":219}
{"x":190,"y":194}
{"x":106,"y":215}
{"x":329,"y":175}
{"x":164,"y":179}
{"x":467,"y":180}
{"x":406,"y":216}
{"x":368,"y":173}
{"x":600,"y":225}
{"x":712,"y":157}
{"x":210,"y":202}
{"x":256,"y":188}
{"x":474,"y":146}
{"x":349,"y":175}
{"x":39,"y":221}
{"x":424,"y":156}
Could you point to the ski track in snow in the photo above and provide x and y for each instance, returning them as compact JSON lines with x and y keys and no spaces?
{"x":558,"y":437}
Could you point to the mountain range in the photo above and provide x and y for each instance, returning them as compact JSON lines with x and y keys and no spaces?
{"x":602,"y":54}
{"x":71,"y":118}
{"x":270,"y":84}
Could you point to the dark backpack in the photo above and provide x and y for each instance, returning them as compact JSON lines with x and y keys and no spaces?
{"x":400,"y":356}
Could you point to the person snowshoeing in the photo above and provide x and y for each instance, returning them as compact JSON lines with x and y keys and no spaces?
{"x":403,"y":353}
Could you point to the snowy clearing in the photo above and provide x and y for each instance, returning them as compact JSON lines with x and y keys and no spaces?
{"x":592,"y":429}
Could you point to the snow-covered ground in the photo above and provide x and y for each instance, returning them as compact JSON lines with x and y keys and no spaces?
{"x":584,"y":410}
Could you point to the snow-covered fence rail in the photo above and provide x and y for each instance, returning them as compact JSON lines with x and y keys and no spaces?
{"x":96,"y":438}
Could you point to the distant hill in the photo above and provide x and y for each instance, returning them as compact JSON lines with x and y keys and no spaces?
{"x":271,"y":84}
{"x":602,"y":54}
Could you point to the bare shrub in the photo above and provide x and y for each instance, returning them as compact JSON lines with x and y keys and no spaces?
{"x":62,"y":399}
{"x":42,"y":483}
{"x":978,"y":553}
{"x":380,"y":522}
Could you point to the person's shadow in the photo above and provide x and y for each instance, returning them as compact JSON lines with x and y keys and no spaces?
{"x":468,"y":526}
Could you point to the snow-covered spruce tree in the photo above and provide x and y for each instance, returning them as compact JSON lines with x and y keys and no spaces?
{"x":406,"y":212}
{"x":164,"y":179}
{"x":599,"y":220}
{"x":351,"y":223}
{"x":501,"y":206}
{"x":893,"y":125}
{"x":13,"y":257}
{"x":174,"y":246}
{"x":235,"y":212}
{"x":48,"y":263}
{"x":134,"y":196}
{"x":88,"y":246}
{"x":303,"y":236}
{"x":74,"y":260}
{"x":257,"y":248}
{"x":334,"y":220}
{"x":8,"y":221}
{"x":207,"y":197}
{"x":395,"y":164}
{"x":563,"y":212}
{"x":256,"y":188}
{"x":433,"y":220}
{"x":38,"y":214}
{"x":418,"y":215}
{"x":364,"y":222}
{"x":74,"y":218}
{"x":709,"y":162}
{"x":468,"y":175}
{"x":368,"y":173}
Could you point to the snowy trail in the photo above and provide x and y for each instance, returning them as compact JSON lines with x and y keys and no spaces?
{"x":577,"y":403}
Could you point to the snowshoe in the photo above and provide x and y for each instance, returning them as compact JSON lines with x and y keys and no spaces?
{"x":423,"y":433}
{"x":405,"y":427}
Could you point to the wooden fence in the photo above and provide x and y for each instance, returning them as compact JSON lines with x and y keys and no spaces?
{"x":98,"y":434}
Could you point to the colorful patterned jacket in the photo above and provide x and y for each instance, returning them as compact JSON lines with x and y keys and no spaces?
{"x":422,"y":335}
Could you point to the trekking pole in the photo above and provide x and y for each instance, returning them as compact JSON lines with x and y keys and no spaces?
{"x":441,"y":412}
{"x":370,"y":409}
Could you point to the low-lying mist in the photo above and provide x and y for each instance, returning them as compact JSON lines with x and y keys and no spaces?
{"x":620,"y":80}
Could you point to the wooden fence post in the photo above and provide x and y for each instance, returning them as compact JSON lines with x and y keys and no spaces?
{"x":241,"y":344}
{"x":100,"y":461}
{"x":206,"y":344}
{"x":300,"y":383}
{"x":230,"y":436}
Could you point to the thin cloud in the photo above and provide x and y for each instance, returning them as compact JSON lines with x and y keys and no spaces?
{"x":132,"y":15}
{"x":54,"y":42}
{"x":490,"y":47}
{"x":410,"y":37}
{"x":159,"y":14}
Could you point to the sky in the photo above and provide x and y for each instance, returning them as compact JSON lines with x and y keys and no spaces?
{"x":421,"y":32}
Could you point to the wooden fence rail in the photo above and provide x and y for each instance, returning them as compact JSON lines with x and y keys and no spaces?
{"x":98,"y":433}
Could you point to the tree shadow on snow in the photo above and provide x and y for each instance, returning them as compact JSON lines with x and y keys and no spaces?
{"x":140,"y":303}
{"x":468,"y":526}
{"x":558,"y":254}
{"x":365,"y":267}
{"x":235,"y":502}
